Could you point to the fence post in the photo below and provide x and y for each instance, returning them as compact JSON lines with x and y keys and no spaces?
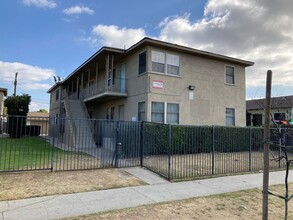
{"x":250,"y":149}
{"x":281,"y":144}
{"x":141,"y":144}
{"x":169,"y":152}
{"x":118,"y":144}
{"x":53,"y":147}
{"x":213,"y":150}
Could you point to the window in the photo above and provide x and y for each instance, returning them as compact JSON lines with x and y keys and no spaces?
{"x":158,"y":62}
{"x":230,"y":78}
{"x":172,"y":64}
{"x":172,"y":113}
{"x":142,"y":63}
{"x":110,"y":113}
{"x":91,"y":114}
{"x":278,"y":117}
{"x":109,"y":78}
{"x":107,"y":113}
{"x":257,"y":119}
{"x":158,"y":110}
{"x":230,"y":116}
{"x":141,"y":111}
{"x":57,"y":94}
{"x":56,"y":119}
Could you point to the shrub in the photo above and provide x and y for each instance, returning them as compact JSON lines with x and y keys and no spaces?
{"x":17,"y":109}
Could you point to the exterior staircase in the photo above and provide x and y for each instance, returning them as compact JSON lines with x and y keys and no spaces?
{"x":80,"y":124}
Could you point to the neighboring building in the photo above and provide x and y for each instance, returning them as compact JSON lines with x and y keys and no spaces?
{"x":281,"y":110}
{"x":3,"y":93}
{"x":155,"y":81}
{"x":40,"y":119}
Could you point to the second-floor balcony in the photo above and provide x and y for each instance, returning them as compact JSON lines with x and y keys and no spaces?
{"x":101,"y":90}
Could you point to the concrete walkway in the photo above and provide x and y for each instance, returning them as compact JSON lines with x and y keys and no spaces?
{"x":61,"y":206}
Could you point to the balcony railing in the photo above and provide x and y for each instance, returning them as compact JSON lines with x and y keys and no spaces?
{"x":101,"y":90}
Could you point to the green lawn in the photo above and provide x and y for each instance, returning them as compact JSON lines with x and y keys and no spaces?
{"x":26,"y":153}
{"x":35,"y":153}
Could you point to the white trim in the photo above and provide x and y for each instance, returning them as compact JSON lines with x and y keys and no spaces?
{"x":165,"y":63}
{"x":225,"y":75}
{"x":165,"y":111}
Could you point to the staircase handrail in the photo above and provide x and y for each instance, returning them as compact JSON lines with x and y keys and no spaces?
{"x":70,"y":115}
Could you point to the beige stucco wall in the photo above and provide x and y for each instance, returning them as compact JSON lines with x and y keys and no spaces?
{"x":211,"y":95}
{"x":55,"y":104}
{"x":137,"y":88}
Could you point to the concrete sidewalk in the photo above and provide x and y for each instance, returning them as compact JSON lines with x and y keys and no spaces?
{"x":61,"y":206}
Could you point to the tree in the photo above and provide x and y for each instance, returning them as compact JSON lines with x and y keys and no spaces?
{"x":280,"y":146}
{"x":43,"y":110}
{"x":281,"y":133}
{"x":17,"y":109}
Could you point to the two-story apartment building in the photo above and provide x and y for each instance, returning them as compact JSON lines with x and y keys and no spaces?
{"x":155,"y":81}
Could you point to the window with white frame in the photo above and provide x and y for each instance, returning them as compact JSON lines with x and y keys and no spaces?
{"x":158,"y":62}
{"x":141,"y":111}
{"x":158,"y":110}
{"x":172,"y":113}
{"x":172,"y":64}
{"x":161,"y":109}
{"x":230,"y":117}
{"x":230,"y":76}
{"x":165,"y":63}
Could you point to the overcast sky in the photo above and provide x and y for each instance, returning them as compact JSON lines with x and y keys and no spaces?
{"x":43,"y":38}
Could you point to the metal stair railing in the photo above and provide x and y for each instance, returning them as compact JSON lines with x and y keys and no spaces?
{"x":70,"y":118}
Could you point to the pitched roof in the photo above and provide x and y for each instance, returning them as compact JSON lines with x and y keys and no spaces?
{"x":4,"y":91}
{"x":162,"y":44}
{"x":167,"y":45}
{"x":276,"y":102}
{"x":38,"y":114}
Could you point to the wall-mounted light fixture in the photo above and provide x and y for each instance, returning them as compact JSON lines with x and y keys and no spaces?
{"x":191,"y":88}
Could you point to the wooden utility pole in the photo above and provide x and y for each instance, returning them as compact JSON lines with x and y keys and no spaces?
{"x":15,"y":83}
{"x":266,"y":161}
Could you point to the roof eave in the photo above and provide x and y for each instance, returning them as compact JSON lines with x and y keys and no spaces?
{"x":103,"y":49}
{"x":4,"y":90}
{"x":54,"y":86}
{"x":150,"y":41}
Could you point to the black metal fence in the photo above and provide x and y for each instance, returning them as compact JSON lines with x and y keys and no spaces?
{"x":173,"y":151}
{"x":180,"y":152}
{"x":61,"y":144}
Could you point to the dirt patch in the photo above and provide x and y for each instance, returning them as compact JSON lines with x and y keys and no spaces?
{"x":197,"y":165}
{"x":42,"y":183}
{"x":239,"y":205}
